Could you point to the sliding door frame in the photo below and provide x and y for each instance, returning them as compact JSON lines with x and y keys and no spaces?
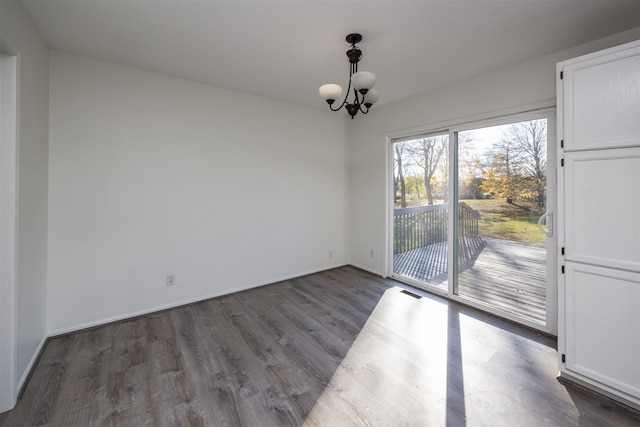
{"x":542,"y":112}
{"x":410,"y":137}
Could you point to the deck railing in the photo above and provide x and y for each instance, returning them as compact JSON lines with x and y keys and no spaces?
{"x":416,"y":227}
{"x":469,"y":239}
{"x":420,"y":226}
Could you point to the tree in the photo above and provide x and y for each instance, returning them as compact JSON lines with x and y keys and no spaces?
{"x":426,"y":154}
{"x":416,"y":163}
{"x":517,"y":167}
{"x":502,"y":176}
{"x":399,"y":173}
{"x":470,"y":168}
{"x":530,"y":139}
{"x":415,"y":184}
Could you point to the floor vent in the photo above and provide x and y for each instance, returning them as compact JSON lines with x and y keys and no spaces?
{"x":411,"y":294}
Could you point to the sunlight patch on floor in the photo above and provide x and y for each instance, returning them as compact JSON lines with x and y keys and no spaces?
{"x":397,"y":353}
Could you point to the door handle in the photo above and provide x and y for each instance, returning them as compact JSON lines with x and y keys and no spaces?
{"x":548,"y":223}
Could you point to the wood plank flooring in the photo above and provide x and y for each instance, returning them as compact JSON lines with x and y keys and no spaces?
{"x":506,"y":275}
{"x":337,"y":348}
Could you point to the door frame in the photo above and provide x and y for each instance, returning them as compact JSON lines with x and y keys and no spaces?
{"x":9,"y":67}
{"x":538,"y":112}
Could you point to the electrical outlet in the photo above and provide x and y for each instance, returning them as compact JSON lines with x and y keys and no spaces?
{"x":372,"y":254}
{"x":171,"y":279}
{"x":330,"y":253}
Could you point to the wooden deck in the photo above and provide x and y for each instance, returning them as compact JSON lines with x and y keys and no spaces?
{"x":506,"y":275}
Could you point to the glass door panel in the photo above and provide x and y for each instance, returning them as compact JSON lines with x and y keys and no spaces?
{"x":502,"y":202}
{"x":421,"y":210}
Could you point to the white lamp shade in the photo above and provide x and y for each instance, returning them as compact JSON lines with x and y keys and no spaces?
{"x":330,"y":91}
{"x":363,"y":80}
{"x":372,"y":97}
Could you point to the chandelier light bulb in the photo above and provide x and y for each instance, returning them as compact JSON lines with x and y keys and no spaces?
{"x":371,"y":97}
{"x":363,"y":81}
{"x":330,"y":92}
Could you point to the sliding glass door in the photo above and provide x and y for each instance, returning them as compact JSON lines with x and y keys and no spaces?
{"x":502,"y":194}
{"x":472,"y":216}
{"x":421,"y":210}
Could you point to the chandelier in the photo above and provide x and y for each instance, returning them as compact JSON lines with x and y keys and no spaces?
{"x":362,"y":81}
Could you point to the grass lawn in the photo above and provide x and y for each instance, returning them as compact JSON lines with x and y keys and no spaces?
{"x":500,"y":220}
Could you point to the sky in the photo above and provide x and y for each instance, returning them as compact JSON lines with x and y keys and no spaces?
{"x":484,"y":138}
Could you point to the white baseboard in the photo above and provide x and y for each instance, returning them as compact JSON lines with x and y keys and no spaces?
{"x":631,"y":401}
{"x":100,"y":322}
{"x":368,"y":269}
{"x":31,"y":364}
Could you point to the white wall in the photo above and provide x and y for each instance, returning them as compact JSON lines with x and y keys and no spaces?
{"x":510,"y":90}
{"x":18,"y":33}
{"x":151,"y":175}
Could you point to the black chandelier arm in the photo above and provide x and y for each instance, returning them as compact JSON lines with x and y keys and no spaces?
{"x":361,"y":103}
{"x":357,"y":105}
{"x":341,"y":105}
{"x":344,"y":101}
{"x":364,"y":111}
{"x":361,"y":110}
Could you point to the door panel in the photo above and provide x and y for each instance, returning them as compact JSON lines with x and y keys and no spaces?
{"x":601,"y":200}
{"x":603,"y":324}
{"x":604,"y":93}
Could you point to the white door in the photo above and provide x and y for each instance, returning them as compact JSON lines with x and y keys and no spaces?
{"x":599,"y":220}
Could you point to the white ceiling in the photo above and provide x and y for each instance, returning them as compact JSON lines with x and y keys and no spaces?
{"x":286,"y":49}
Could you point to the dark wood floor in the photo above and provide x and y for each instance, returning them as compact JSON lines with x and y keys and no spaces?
{"x":505,"y":275}
{"x":338,"y":348}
